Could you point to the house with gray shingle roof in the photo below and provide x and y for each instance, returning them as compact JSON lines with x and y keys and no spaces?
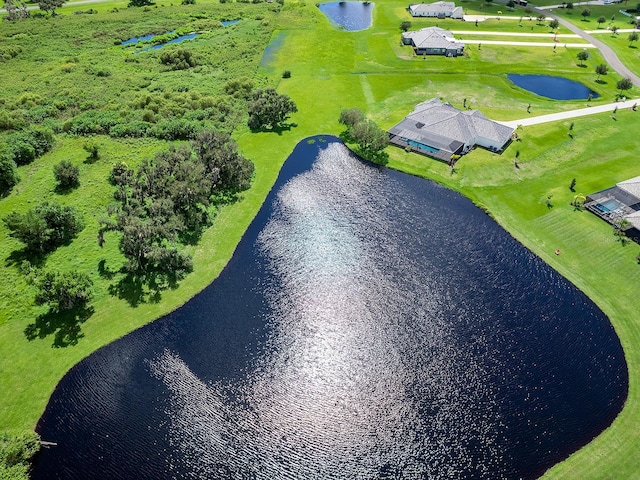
{"x":433,"y":41}
{"x":440,"y":130}
{"x":437,"y":9}
{"x":617,"y":204}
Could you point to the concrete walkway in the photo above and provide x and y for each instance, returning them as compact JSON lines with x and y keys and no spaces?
{"x":528,"y":44}
{"x":581,"y":112}
{"x":515,"y":34}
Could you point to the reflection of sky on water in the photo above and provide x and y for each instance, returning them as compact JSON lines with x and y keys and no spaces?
{"x":351,"y":16}
{"x":370,"y":325}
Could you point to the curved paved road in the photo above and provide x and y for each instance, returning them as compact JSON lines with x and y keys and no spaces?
{"x":608,"y":54}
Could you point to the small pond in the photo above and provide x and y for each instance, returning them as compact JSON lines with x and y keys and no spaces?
{"x":351,"y":16}
{"x":227,"y":23}
{"x":134,"y":40}
{"x":556,"y":88}
{"x":151,"y":36}
{"x":369,"y":325}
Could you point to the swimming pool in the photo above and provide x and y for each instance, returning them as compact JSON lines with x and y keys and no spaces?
{"x":422,"y":146}
{"x":610,"y":205}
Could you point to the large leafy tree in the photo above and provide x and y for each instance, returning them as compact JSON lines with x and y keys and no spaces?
{"x":582,"y":56}
{"x":624,"y":84}
{"x":45,"y":227}
{"x":50,"y":6}
{"x":225,"y":167}
{"x":269,"y":109}
{"x":64,"y":291}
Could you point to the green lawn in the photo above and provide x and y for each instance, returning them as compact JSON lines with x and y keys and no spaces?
{"x":330,"y":70}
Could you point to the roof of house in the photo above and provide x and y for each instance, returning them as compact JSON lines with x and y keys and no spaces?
{"x":444,"y":7}
{"x":445,"y":124}
{"x":631,"y":186}
{"x":433,"y":37}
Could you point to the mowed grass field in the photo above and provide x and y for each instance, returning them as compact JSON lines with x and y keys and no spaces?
{"x":332,"y":70}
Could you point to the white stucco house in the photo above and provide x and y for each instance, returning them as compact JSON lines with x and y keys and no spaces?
{"x":440,"y":130}
{"x":437,"y":9}
{"x":433,"y":41}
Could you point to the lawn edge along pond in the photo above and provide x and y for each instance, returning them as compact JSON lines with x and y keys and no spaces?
{"x":590,"y":257}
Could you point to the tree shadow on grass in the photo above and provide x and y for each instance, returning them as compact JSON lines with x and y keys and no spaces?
{"x":60,"y":190}
{"x":601,"y":82}
{"x":64,"y":326}
{"x":136,"y":289}
{"x":16,"y":258}
{"x":279,"y":129}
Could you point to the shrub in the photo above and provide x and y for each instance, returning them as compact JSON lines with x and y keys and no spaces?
{"x":286,"y":74}
{"x":93,"y":149}
{"x":8,"y":171}
{"x":176,"y":129}
{"x":9,"y":52}
{"x":188,"y":2}
{"x":16,"y":452}
{"x":30,"y":144}
{"x":92,"y":121}
{"x":179,"y":59}
{"x":120,"y":174}
{"x":66,"y":174}
{"x":136,"y":129}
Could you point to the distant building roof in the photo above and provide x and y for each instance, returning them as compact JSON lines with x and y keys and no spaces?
{"x":631,"y":186}
{"x":433,"y":37}
{"x":436,"y":122}
{"x":446,"y":8}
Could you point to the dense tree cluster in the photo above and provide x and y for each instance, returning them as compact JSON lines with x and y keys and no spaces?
{"x":179,"y":59}
{"x":371,"y":139}
{"x":168,"y":201}
{"x":269,"y":109}
{"x":16,"y":452}
{"x":45,"y":227}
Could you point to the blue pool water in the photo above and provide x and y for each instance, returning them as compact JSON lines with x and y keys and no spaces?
{"x":421,"y":146}
{"x":608,"y":206}
{"x":351,"y":16}
{"x":556,"y":88}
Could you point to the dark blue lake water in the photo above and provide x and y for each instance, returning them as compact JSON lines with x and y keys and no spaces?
{"x":369,"y":325}
{"x":557,"y":88}
{"x":350,"y":16}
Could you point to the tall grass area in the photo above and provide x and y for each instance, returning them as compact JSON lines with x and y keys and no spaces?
{"x":330,"y":70}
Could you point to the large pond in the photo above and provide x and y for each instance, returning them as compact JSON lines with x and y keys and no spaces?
{"x":556,"y":88}
{"x":369,"y":325}
{"x":350,"y":16}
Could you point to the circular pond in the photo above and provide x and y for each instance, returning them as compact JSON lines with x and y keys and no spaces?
{"x":350,"y":16}
{"x":369,"y":325}
{"x":556,"y":88}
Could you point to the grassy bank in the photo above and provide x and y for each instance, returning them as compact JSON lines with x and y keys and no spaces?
{"x":330,"y":70}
